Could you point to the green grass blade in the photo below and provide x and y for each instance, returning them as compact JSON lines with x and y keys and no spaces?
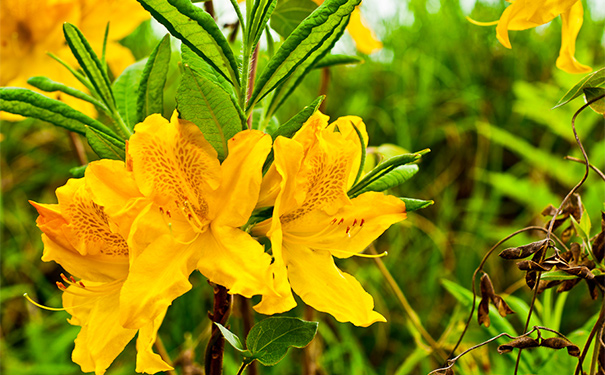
{"x":198,"y":30}
{"x":151,"y":87}
{"x":309,"y":42}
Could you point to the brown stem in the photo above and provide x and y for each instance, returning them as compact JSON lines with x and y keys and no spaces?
{"x":245,"y":310}
{"x":323,"y":86}
{"x":209,"y":8}
{"x":590,"y":338}
{"x":78,"y":147}
{"x":310,"y":351}
{"x":251,"y":78}
{"x":216,"y":344}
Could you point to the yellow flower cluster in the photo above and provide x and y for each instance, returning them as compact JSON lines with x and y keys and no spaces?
{"x":133,"y":232}
{"x":30,"y":29}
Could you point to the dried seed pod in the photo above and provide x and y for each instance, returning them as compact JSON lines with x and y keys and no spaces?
{"x":598,"y":247}
{"x":530,"y":265}
{"x":560,"y":343}
{"x":502,"y":306}
{"x":567,"y":233}
{"x":545,"y":284}
{"x":524,"y":342}
{"x":483,"y":312}
{"x":580,"y":271}
{"x":568,"y":285}
{"x":576,"y":252}
{"x":522,"y":251}
{"x":550,"y":210}
{"x":530,"y":279}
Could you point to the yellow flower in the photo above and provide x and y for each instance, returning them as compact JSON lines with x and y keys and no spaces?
{"x":197,"y":206}
{"x":30,"y":29}
{"x":364,"y":38}
{"x":525,"y":14}
{"x":81,"y":236}
{"x":314,"y":220}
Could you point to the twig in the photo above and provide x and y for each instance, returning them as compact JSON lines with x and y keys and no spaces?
{"x":593,"y":332}
{"x":597,"y":170}
{"x":78,"y":147}
{"x":216,"y":345}
{"x":248,"y":321}
{"x":323,"y":87}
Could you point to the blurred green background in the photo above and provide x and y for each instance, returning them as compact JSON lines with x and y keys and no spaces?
{"x":496,"y":162}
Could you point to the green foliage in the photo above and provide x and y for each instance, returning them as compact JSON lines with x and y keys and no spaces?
{"x":106,"y":146}
{"x":289,"y":14}
{"x":269,"y":340}
{"x":196,"y":29}
{"x":151,"y":86}
{"x":125,"y":89}
{"x":48,"y":85}
{"x":593,"y":80}
{"x":332,"y":60}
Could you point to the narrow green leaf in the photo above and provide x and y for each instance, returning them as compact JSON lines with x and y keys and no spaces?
{"x":207,"y":105}
{"x":412,"y":204}
{"x":107,"y":147}
{"x":78,"y":172}
{"x":77,"y":74}
{"x":269,"y":339}
{"x":289,"y":14}
{"x":202,"y":67}
{"x":48,"y":85}
{"x":372,"y":179}
{"x":90,"y":63}
{"x":198,"y":30}
{"x":292,"y":126}
{"x":125,"y":90}
{"x":592,"y":93}
{"x":261,"y":11}
{"x":231,"y":338}
{"x":391,"y":179}
{"x":308,"y":43}
{"x":332,"y":60}
{"x":151,"y":88}
{"x":595,"y":79}
{"x":28,"y":103}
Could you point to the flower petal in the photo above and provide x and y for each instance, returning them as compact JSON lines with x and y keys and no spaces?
{"x":101,"y":338}
{"x":352,"y":228}
{"x":157,"y":276}
{"x":316,"y":279}
{"x":242,"y":175}
{"x":365,"y":39}
{"x":231,"y":258}
{"x":148,"y":361}
{"x":572,"y":21}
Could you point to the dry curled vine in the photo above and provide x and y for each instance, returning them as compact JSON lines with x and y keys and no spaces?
{"x":573,"y":261}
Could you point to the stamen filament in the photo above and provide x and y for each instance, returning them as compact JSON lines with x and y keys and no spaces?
{"x":42,"y":306}
{"x":479,"y":23}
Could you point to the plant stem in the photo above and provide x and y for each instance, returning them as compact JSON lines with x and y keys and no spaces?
{"x":78,"y":147}
{"x":251,"y":78}
{"x":242,"y":367}
{"x":310,"y":351}
{"x":408,"y":308}
{"x":248,"y":319}
{"x":216,"y":345}
{"x":323,"y":87}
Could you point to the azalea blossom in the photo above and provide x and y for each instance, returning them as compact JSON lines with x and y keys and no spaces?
{"x":314,"y":221}
{"x":195,"y":206}
{"x":525,"y":14}
{"x":81,"y":236}
{"x":30,"y":29}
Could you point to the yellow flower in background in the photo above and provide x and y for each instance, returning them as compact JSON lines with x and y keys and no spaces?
{"x":314,"y":220}
{"x":81,"y":236}
{"x":525,"y":14}
{"x":192,"y":221}
{"x":30,"y":29}
{"x":364,"y":38}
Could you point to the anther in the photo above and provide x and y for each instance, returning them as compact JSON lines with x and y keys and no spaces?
{"x":64,"y":278}
{"x":72,"y":279}
{"x":161,"y":210}
{"x":354,"y":222}
{"x":81,"y":284}
{"x":334,"y":221}
{"x":190,"y":216}
{"x":362,"y":221}
{"x":61,"y":286}
{"x":348,"y":230}
{"x":168,"y":213}
{"x":341,"y":221}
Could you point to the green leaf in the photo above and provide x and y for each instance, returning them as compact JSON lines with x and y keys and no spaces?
{"x":412,"y":204}
{"x":289,"y":14}
{"x":107,"y":147}
{"x":591,"y":93}
{"x":261,"y":11}
{"x":595,"y":79}
{"x":199,"y":65}
{"x":151,"y":88}
{"x":28,"y":103}
{"x":372,"y":179}
{"x":90,"y":63}
{"x":231,"y":338}
{"x":289,"y":128}
{"x":78,"y":172}
{"x":391,"y":179}
{"x":331,"y":60}
{"x":308,"y":43}
{"x":269,"y":339}
{"x":198,"y":30}
{"x":125,"y":90}
{"x":48,"y":85}
{"x":210,"y":107}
